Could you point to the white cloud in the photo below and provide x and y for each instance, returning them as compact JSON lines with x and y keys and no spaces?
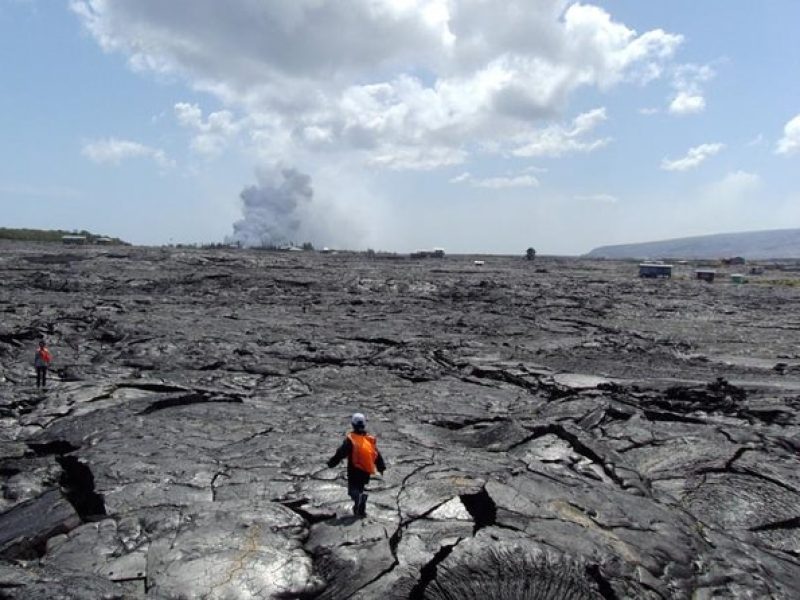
{"x":598,"y":198}
{"x":686,"y":104}
{"x":694,"y":157}
{"x":113,"y":151}
{"x":790,"y":142}
{"x":497,"y":183}
{"x":647,"y":111}
{"x":433,"y":82}
{"x":734,"y":186}
{"x":557,"y":140}
{"x":687,"y":81}
{"x":461,"y":178}
{"x":416,"y":158}
{"x":213,"y":133}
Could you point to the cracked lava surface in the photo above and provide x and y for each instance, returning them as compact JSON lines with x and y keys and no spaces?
{"x":557,"y":429}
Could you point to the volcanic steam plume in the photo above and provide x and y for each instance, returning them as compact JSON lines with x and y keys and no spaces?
{"x":274,"y":210}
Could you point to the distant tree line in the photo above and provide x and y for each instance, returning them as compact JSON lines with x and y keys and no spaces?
{"x":50,"y":235}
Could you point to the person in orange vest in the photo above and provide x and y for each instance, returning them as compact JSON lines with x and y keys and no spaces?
{"x":363,"y":460}
{"x":41,"y":360}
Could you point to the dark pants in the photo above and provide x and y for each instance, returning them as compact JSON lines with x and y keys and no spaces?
{"x":355,"y":489}
{"x":357,"y":480}
{"x":41,"y":377}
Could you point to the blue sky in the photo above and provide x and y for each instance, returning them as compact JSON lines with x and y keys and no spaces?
{"x":402,"y":124}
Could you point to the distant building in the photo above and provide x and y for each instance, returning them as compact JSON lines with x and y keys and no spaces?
{"x":77,"y":240}
{"x":103,"y":241}
{"x":705,"y":275}
{"x":478,"y":263}
{"x":734,"y":260}
{"x":738,"y":278}
{"x":435,"y":253}
{"x":655,"y":270}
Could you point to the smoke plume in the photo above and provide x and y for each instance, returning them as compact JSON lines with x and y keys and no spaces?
{"x":274,"y":209}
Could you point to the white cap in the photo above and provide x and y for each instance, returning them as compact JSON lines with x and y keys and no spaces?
{"x":359,"y":421}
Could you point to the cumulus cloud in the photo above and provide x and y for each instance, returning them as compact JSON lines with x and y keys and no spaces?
{"x":686,"y":103}
{"x":790,"y":142}
{"x":558,"y":140}
{"x":687,"y":81}
{"x":417,"y":84}
{"x":497,"y":183}
{"x":113,"y":151}
{"x":211,"y":134}
{"x":694,"y":157}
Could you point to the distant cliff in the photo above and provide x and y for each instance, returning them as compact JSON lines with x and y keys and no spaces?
{"x":777,"y":243}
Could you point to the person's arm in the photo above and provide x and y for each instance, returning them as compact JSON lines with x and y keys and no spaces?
{"x":379,"y":464}
{"x":342,"y":453}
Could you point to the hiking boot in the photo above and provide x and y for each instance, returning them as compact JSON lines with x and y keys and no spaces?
{"x":362,"y":505}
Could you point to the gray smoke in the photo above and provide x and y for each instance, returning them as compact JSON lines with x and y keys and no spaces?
{"x":274,"y":209}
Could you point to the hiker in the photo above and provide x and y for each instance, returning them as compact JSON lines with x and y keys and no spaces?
{"x":363,"y":459}
{"x":41,"y":361}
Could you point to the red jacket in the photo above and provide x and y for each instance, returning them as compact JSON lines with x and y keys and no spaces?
{"x":42,"y":358}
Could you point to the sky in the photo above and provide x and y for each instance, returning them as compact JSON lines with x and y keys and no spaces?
{"x":399,"y":125}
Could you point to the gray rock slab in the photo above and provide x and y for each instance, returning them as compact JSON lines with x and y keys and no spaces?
{"x":26,"y":527}
{"x":232,"y":550}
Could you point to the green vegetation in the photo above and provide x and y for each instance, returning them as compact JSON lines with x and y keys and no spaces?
{"x":52,"y":235}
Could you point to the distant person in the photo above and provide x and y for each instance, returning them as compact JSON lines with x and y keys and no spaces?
{"x":363,"y":459}
{"x":41,"y":360}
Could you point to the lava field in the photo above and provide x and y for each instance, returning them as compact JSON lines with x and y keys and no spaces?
{"x":556,"y":428}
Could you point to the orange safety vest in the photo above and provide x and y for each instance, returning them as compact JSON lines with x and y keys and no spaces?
{"x":365,"y":451}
